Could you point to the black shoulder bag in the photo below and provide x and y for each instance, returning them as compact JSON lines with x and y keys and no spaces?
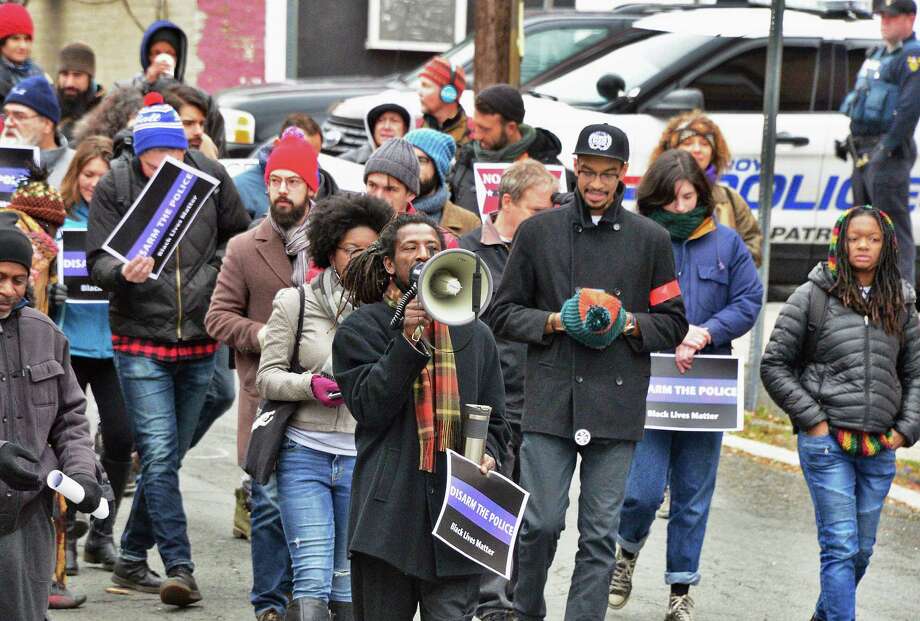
{"x":272,"y":420}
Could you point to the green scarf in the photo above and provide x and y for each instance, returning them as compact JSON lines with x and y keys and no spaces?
{"x":679,"y":225}
{"x":510,"y":152}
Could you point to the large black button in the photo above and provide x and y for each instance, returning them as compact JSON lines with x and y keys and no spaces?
{"x":579,"y":379}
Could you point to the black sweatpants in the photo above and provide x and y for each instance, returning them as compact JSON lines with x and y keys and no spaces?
{"x":380,"y":592}
{"x":99,"y":374}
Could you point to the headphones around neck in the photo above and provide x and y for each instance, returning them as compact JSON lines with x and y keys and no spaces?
{"x":449,"y":92}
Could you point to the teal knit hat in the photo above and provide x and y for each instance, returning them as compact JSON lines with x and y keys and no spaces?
{"x":593,"y":317}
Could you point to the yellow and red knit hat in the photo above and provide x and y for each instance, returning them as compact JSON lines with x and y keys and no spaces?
{"x":36,"y":198}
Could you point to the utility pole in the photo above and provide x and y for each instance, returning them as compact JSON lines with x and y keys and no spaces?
{"x":499,"y":42}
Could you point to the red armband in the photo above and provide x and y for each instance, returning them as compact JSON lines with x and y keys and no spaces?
{"x":665,"y":292}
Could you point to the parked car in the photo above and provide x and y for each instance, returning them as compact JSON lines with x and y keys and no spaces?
{"x":715,"y":58}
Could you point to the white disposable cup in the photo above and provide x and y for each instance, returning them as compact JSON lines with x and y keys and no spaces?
{"x":74,"y":492}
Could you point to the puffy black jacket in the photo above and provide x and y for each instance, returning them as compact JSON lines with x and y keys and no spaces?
{"x":171,"y":308}
{"x":860,"y":378}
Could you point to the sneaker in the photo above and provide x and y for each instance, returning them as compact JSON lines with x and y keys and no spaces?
{"x":680,"y":608}
{"x":136,"y":575}
{"x":270,"y":615}
{"x":61,"y":598}
{"x":621,"y":581}
{"x":179,"y":588}
{"x":664,"y":511}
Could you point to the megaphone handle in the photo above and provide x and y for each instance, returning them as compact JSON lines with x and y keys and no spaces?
{"x":400,"y":312}
{"x":477,"y":287}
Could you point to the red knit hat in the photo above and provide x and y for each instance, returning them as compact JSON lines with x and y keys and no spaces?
{"x":14,"y":20}
{"x":293,"y":152}
{"x":438,"y":71}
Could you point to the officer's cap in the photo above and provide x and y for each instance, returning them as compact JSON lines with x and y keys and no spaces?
{"x":603,"y":140}
{"x":894,"y":7}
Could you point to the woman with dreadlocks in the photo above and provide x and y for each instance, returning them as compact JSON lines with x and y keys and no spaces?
{"x":405,"y":386}
{"x":844,"y":363}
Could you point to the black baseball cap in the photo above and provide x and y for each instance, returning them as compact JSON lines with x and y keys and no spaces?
{"x":894,"y":7}
{"x":603,"y":140}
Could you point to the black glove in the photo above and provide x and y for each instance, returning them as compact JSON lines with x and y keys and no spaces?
{"x":57,"y":293}
{"x":14,"y":475}
{"x":92,"y":493}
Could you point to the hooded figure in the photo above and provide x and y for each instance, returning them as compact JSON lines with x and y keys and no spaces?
{"x":161,"y":31}
{"x":378,"y":135}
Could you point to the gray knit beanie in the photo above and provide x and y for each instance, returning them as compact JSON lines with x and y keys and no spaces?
{"x":395,"y":158}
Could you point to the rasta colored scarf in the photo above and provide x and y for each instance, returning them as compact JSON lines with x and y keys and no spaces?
{"x":861,"y":443}
{"x":437,"y":399}
{"x":510,"y":152}
{"x":679,"y":225}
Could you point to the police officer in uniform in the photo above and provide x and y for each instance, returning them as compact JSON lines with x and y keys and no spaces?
{"x":590,"y":288}
{"x":883,"y":108}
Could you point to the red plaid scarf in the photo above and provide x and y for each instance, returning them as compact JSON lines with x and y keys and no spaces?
{"x":437,"y":401}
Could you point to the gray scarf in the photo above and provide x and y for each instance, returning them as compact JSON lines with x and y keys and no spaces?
{"x":295,"y":245}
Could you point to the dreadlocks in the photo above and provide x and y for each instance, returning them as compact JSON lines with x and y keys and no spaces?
{"x":366,"y":278}
{"x":885,"y":302}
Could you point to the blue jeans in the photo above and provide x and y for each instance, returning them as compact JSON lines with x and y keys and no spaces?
{"x":220,"y":396}
{"x":314,"y":490}
{"x":692,"y":459}
{"x":547,"y":465}
{"x":271,"y":562}
{"x":848,"y":494}
{"x":163,"y":400}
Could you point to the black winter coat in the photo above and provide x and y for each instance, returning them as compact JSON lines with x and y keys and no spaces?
{"x":394,"y":505}
{"x":860,"y":377}
{"x":171,"y":308}
{"x":545,"y":149}
{"x":570,"y":387}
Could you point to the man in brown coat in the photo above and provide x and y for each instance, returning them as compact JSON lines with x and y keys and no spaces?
{"x":258,"y":264}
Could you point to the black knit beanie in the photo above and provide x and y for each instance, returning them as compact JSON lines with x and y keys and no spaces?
{"x":504,"y":99}
{"x":15,"y":247}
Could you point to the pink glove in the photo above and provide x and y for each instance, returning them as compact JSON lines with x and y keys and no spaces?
{"x":326,"y":391}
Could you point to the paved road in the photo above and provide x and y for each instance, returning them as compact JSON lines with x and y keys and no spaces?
{"x":760,"y":561}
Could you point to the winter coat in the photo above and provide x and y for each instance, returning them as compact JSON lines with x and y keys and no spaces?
{"x":182,"y":52}
{"x":570,"y":387}
{"x":68,"y":123}
{"x":171,"y":308}
{"x":734,"y":212}
{"x":253,"y":271}
{"x":42,"y":407}
{"x":12,"y":74}
{"x":86,"y":325}
{"x":458,"y":220}
{"x":275,"y":379}
{"x":719,"y":284}
{"x":57,"y":160}
{"x":487,"y":243}
{"x":394,"y":505}
{"x":459,"y":127}
{"x":860,"y":378}
{"x":545,"y":149}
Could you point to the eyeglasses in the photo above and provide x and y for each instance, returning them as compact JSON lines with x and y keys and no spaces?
{"x":293,"y":184}
{"x":590,"y":175}
{"x":16,"y":116}
{"x":351,"y":251}
{"x":423,"y":160}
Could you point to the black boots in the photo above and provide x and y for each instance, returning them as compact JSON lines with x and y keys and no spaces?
{"x":307,"y":609}
{"x":100,"y":545}
{"x":342,"y":611}
{"x":74,"y":529}
{"x":136,"y":575}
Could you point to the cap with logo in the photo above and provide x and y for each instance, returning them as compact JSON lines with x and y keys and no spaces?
{"x":894,"y":7}
{"x":603,"y":140}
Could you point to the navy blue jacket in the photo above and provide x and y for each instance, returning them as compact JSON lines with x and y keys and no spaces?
{"x":905,"y":72}
{"x":719,"y":284}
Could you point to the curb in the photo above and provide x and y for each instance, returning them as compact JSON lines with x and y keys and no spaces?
{"x":782,"y":455}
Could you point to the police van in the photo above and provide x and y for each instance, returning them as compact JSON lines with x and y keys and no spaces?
{"x":715,"y":58}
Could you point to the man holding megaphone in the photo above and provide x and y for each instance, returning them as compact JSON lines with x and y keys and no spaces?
{"x":405,"y":383}
{"x":43,"y":426}
{"x":590,"y":287}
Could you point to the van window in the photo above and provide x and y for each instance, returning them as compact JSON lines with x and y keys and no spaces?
{"x":547,"y":48}
{"x":737,"y":85}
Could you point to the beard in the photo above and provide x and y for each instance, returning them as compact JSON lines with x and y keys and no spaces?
{"x":429,"y":186}
{"x":74,"y":106}
{"x":285,"y":216}
{"x":12,"y":137}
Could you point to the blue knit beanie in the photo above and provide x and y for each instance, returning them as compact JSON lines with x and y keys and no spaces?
{"x":158,"y":126}
{"x":440,"y":147}
{"x":593,"y":317}
{"x":36,"y":93}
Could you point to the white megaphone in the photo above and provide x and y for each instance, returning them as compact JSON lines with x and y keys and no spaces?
{"x":446,"y":286}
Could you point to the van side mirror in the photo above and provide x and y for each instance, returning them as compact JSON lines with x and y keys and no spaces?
{"x":610,"y":85}
{"x":677,"y":101}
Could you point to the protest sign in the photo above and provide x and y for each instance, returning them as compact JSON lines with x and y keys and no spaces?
{"x":489,"y":177}
{"x":481,"y":515}
{"x":72,"y":270}
{"x":164,"y":211}
{"x":14,"y":167}
{"x":708,"y":397}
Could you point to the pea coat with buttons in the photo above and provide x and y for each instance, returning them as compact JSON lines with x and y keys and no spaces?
{"x":569,"y":388}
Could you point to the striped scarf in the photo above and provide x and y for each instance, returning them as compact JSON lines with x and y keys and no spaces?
{"x":437,"y":399}
{"x":861,"y":443}
{"x":295,"y":245}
